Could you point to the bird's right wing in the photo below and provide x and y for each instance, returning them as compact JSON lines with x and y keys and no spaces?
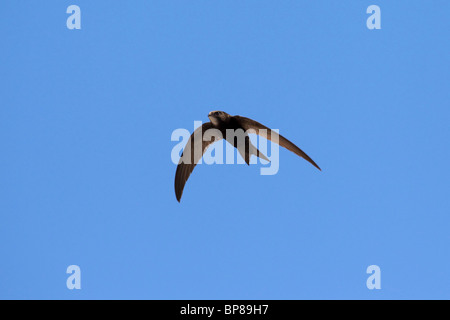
{"x":252,"y":126}
{"x":192,"y":153}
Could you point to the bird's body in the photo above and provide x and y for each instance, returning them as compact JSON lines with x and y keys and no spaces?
{"x":235,"y":130}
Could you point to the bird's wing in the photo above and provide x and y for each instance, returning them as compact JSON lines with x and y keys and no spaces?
{"x":192,"y":153}
{"x":252,"y":126}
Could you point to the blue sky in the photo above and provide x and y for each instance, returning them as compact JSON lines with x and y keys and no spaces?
{"x":86,"y":176}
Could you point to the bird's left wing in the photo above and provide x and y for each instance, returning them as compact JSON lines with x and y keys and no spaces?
{"x":192,"y":153}
{"x":252,"y":126}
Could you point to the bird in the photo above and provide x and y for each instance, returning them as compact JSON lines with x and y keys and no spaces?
{"x":222,"y":122}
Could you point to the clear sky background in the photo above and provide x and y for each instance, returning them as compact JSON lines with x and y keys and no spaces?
{"x":86,"y":177}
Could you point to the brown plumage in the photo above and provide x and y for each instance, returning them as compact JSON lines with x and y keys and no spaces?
{"x":222,"y":121}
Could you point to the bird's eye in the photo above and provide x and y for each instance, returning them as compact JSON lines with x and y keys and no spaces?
{"x":216,"y":113}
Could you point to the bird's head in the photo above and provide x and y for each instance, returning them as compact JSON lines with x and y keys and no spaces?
{"x":218,"y":117}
